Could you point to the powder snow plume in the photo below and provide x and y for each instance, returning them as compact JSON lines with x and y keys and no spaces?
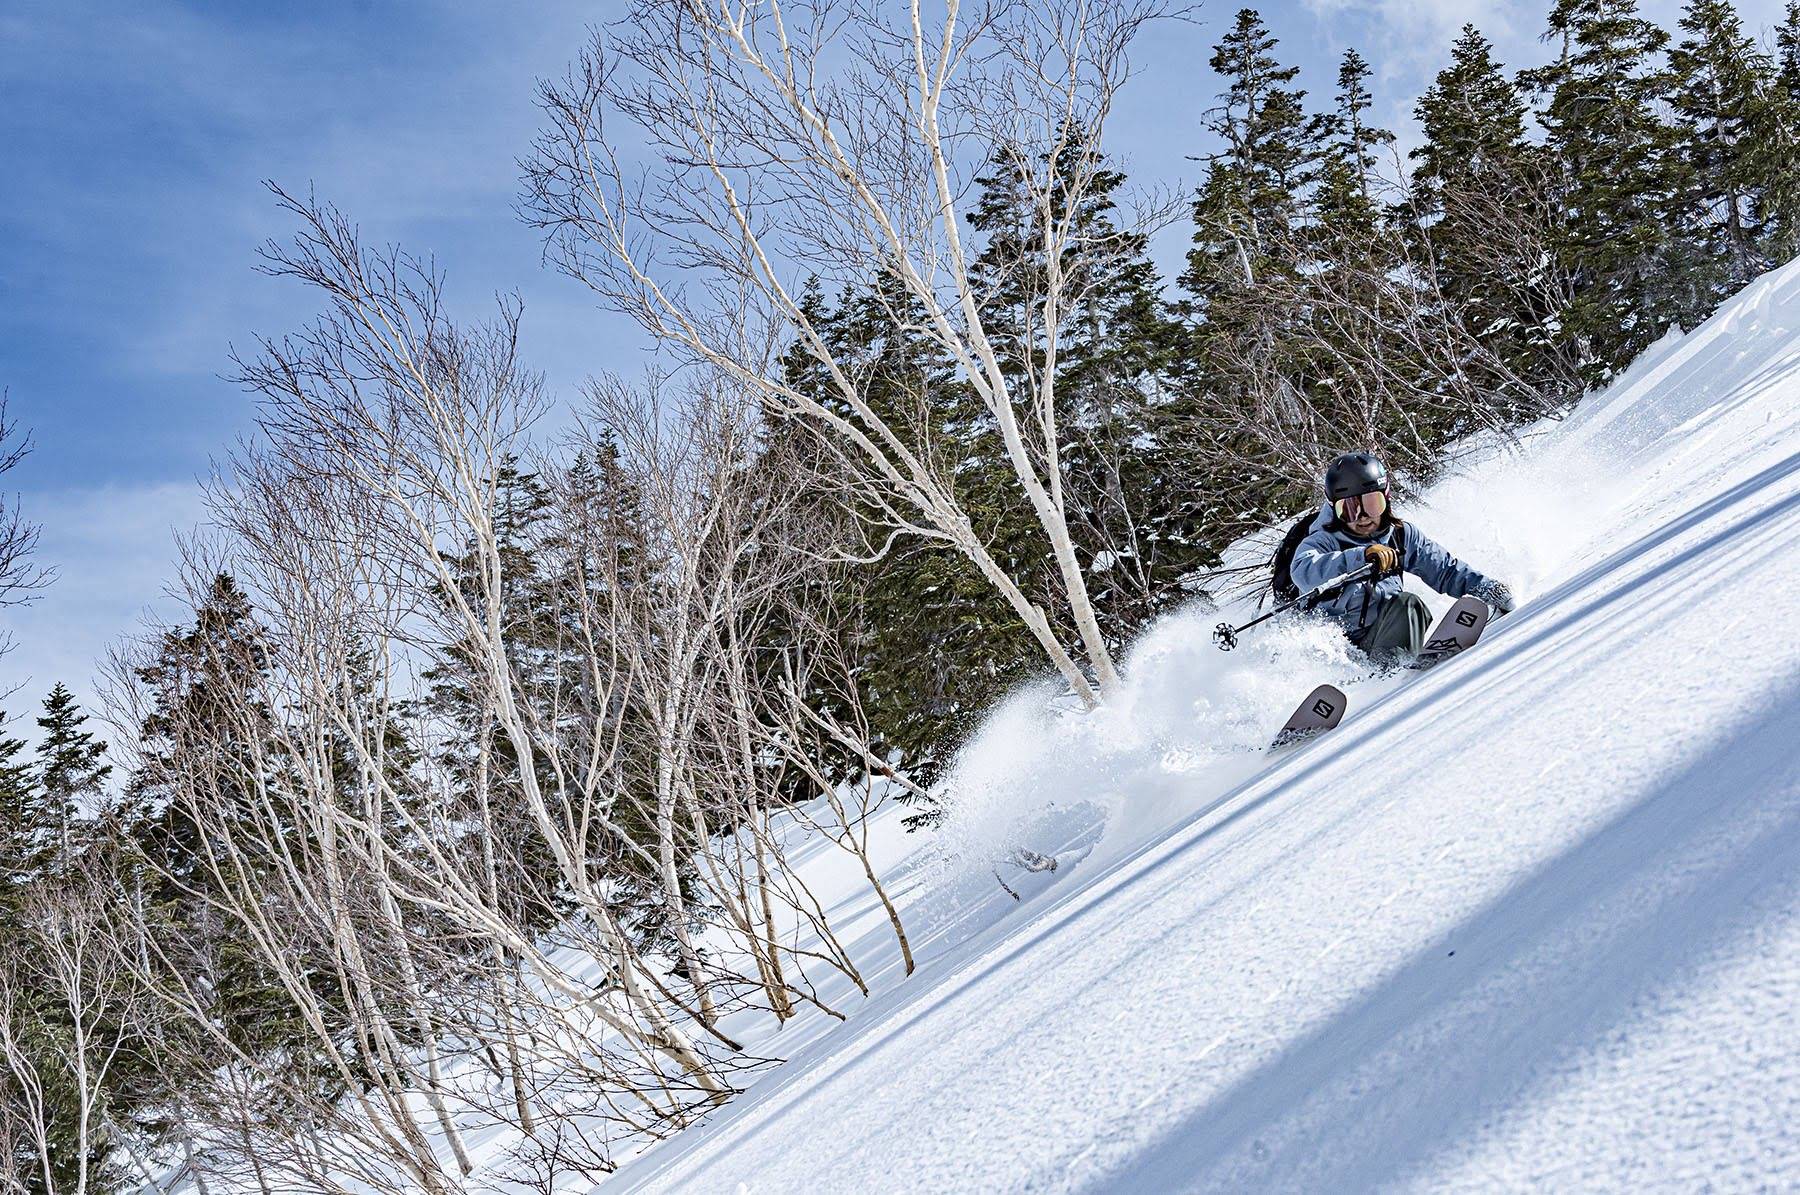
{"x":1194,"y":722}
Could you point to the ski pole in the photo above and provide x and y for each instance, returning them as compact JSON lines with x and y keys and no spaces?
{"x":1226,"y":635}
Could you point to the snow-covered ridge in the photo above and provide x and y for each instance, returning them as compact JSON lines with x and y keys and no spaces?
{"x":1529,"y":920}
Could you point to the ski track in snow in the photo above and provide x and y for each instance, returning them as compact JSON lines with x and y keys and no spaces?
{"x":1529,"y":921}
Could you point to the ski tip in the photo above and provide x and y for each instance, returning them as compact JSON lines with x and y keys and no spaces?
{"x":1321,"y":710}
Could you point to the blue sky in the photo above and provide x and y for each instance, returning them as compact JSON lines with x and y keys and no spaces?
{"x":134,"y":138}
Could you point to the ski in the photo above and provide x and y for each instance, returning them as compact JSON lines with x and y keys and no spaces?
{"x":1455,"y":632}
{"x":1322,"y":710}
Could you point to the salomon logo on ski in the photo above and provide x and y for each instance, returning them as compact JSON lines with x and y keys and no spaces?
{"x":1322,"y":710}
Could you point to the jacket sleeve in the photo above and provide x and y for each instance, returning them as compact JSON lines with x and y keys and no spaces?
{"x":1429,"y":562}
{"x":1318,"y":560}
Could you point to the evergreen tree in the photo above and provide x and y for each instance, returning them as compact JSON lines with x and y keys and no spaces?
{"x":207,"y":722}
{"x":920,"y":591}
{"x":1127,"y":516}
{"x":1788,"y":53}
{"x":40,"y":804}
{"x":209,"y":729}
{"x":1349,"y":282}
{"x":1620,"y":180}
{"x":1787,"y":50}
{"x":70,"y":766}
{"x":1721,"y":99}
{"x":1117,"y":341}
{"x":1250,"y":200}
{"x":1346,"y":209}
{"x":1351,"y":138}
{"x":1473,"y":121}
{"x":1244,"y":278}
{"x":493,"y":791}
{"x":1781,"y":107}
{"x":29,"y":828}
{"x":604,"y":518}
{"x":1474,"y":169}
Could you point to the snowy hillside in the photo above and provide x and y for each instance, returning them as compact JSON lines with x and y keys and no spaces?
{"x":1529,"y":920}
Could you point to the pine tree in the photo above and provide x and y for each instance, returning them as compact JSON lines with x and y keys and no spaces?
{"x":1249,"y":202}
{"x":1127,"y":516}
{"x":1115,"y":344}
{"x":205,"y":711}
{"x":29,"y":826}
{"x":1781,"y":107}
{"x":1787,"y":51}
{"x":481,"y":757}
{"x":1351,"y":138}
{"x":70,"y":766}
{"x":1351,"y":261}
{"x":1346,"y":202}
{"x":1473,"y":121}
{"x":1721,"y":85}
{"x":919,"y":591}
{"x":1619,"y":178}
{"x":1475,"y":169}
{"x":40,"y":804}
{"x":209,"y":729}
{"x":1244,"y":279}
{"x":603,"y":521}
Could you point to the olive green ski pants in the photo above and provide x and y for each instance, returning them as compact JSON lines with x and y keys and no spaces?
{"x":1399,"y":629}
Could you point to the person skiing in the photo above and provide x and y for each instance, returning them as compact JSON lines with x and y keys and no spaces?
{"x":1356,"y":526}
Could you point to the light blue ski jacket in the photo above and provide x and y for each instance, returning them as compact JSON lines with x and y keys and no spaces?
{"x":1330,"y":550}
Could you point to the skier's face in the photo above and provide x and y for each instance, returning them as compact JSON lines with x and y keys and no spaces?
{"x":1362,"y":513}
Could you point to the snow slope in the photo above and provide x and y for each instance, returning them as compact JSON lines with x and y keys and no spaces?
{"x":1531,"y":920}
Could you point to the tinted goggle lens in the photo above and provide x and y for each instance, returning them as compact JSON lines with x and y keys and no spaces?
{"x":1374,"y":503}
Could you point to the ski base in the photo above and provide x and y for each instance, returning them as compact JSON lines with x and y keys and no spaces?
{"x":1322,"y":710}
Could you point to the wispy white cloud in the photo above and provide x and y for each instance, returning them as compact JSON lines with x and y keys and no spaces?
{"x":417,"y":137}
{"x":135,"y":141}
{"x":1408,"y":41}
{"x":1409,"y":35}
{"x":1405,"y":38}
{"x":113,"y":549}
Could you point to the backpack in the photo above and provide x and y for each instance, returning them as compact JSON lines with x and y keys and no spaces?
{"x":1280,"y":583}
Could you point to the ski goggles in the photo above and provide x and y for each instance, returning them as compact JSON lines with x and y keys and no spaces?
{"x":1374,"y":504}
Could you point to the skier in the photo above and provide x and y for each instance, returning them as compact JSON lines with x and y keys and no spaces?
{"x":1355,"y":526}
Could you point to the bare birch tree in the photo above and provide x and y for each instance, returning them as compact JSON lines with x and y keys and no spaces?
{"x":839,"y":140}
{"x":71,"y":1011}
{"x":719,"y":544}
{"x":20,"y":578}
{"x":550,"y":923}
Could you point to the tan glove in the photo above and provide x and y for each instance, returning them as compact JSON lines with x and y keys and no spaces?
{"x":1384,"y":558}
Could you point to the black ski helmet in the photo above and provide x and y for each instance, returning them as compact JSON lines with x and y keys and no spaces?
{"x":1352,"y":474}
